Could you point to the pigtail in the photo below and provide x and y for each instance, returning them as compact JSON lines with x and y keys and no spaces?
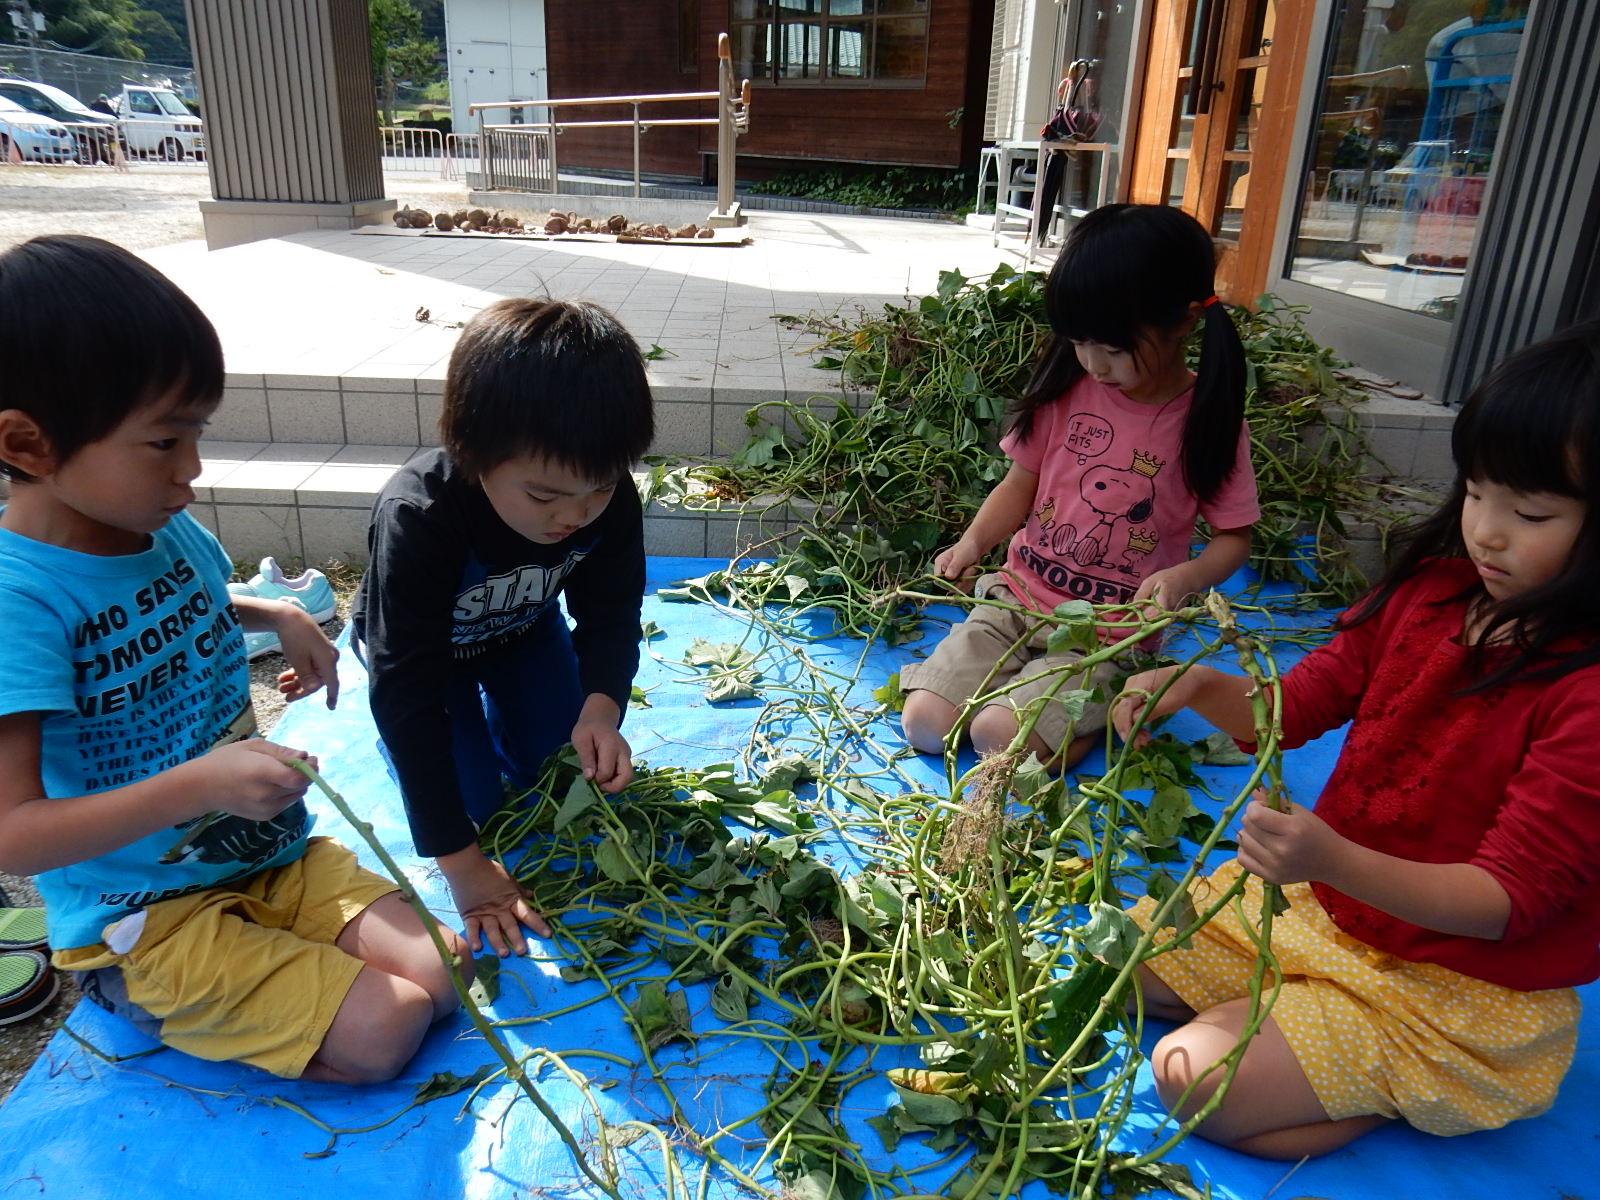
{"x":1211,"y":431}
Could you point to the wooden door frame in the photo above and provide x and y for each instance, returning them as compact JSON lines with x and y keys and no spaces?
{"x":1244,"y":268}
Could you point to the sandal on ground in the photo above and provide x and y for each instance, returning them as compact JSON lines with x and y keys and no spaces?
{"x":27,"y":985}
{"x":20,"y":928}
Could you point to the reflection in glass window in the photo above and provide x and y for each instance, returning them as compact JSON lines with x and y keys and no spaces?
{"x":1403,"y":147}
{"x":851,"y":43}
{"x":1100,"y":36}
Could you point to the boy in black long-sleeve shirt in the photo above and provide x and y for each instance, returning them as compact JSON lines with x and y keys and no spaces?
{"x":474,"y":673}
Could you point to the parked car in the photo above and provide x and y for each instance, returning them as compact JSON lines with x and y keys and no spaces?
{"x":156,"y":121}
{"x":94,"y":144}
{"x":35,"y":138}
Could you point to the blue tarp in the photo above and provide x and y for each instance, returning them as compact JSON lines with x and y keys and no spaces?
{"x":167,"y":1125}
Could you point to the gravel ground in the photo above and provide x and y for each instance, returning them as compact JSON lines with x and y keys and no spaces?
{"x":149,"y":204}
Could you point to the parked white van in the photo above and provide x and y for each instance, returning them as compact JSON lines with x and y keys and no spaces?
{"x":156,"y":121}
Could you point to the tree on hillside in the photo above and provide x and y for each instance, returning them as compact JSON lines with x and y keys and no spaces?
{"x":400,"y":54}
{"x":162,"y":30}
{"x":103,"y":27}
{"x":159,"y":41}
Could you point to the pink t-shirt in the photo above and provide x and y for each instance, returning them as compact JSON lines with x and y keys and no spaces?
{"x":1112,"y":507}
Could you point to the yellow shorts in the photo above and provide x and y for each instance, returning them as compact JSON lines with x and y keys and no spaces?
{"x":1445,"y":1052}
{"x":960,"y":665}
{"x":247,"y":972}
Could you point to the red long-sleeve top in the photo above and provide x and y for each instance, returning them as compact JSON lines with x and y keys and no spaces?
{"x":1507,"y":779}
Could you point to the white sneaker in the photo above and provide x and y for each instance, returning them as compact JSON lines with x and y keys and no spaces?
{"x":310,"y":589}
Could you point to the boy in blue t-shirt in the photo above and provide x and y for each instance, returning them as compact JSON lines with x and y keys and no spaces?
{"x":170,"y":845}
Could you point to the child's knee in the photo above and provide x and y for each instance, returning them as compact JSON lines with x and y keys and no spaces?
{"x":927,"y":720}
{"x":377,"y":1030}
{"x":1178,"y":1060}
{"x":441,"y":987}
{"x":398,"y":1036}
{"x":436,"y":977}
{"x":993,"y":729}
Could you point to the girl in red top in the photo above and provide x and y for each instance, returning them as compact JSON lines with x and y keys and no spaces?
{"x":1445,"y":894}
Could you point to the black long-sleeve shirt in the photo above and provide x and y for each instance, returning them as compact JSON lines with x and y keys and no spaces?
{"x":449,"y":580}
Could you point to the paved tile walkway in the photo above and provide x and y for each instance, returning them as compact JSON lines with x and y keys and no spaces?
{"x":344,"y":305}
{"x":333,"y":381}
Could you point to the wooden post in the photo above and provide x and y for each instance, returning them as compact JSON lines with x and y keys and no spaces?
{"x":727,"y":212}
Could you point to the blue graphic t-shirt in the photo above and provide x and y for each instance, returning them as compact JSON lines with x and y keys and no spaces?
{"x":135,"y":663}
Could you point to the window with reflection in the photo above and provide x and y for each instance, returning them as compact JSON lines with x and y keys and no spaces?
{"x":839,"y":43}
{"x":1098,"y":39}
{"x":1403,"y":147}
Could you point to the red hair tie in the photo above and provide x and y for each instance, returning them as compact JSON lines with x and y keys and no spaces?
{"x":1210,"y":302}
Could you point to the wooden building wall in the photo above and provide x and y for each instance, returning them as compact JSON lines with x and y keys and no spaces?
{"x":604,"y":47}
{"x":615,"y":48}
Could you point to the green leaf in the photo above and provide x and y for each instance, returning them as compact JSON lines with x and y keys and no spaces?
{"x":966,"y":1183}
{"x":726,"y":655}
{"x":1074,"y":1001}
{"x":581,"y":796}
{"x":485,"y":986}
{"x":779,"y":816}
{"x":806,"y":876}
{"x":930,"y":1109}
{"x":766,"y":895}
{"x":715,"y":876}
{"x":1167,"y":811}
{"x":989,"y":1058}
{"x":1220,"y":750}
{"x":613,"y":861}
{"x":885,"y":897}
{"x":660,"y":1016}
{"x":649,"y":631}
{"x":444,"y":1083}
{"x":1078,"y":631}
{"x":734,"y":685}
{"x":730,"y":999}
{"x":1159,"y":887}
{"x":1030,"y":779}
{"x":888,"y":1131}
{"x":1110,"y":934}
{"x":637,"y":698}
{"x":784,"y":774}
{"x":890,"y":694}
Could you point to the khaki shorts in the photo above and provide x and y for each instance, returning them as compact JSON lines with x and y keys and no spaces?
{"x":242,"y":973}
{"x":963,"y":665}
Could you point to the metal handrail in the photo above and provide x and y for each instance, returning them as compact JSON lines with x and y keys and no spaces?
{"x":732,"y":119}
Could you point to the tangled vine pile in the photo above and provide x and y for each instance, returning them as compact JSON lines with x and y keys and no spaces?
{"x":975,"y":955}
{"x":855,"y":498}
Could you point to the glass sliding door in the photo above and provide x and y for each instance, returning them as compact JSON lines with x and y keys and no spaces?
{"x":1403,"y":148}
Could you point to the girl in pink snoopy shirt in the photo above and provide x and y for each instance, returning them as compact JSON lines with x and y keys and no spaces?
{"x":1116,"y":448}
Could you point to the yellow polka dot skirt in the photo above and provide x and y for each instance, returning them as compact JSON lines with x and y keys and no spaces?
{"x":1377,"y":1034}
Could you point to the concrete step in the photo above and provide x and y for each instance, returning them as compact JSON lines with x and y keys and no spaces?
{"x":293,"y":463}
{"x":310,"y":502}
